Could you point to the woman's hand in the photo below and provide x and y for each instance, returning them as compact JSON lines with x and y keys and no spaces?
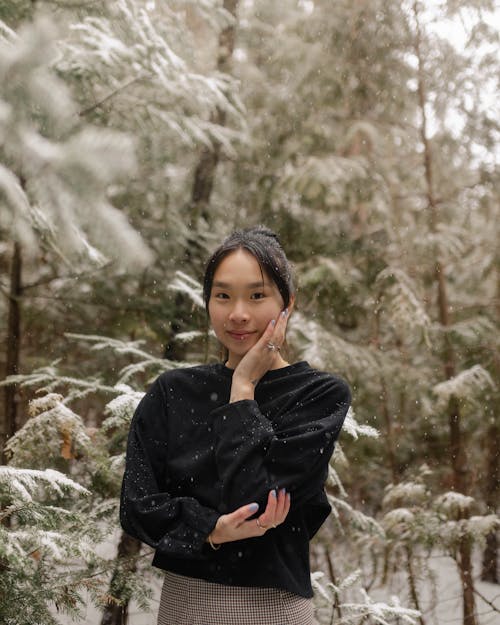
{"x":235,"y":526}
{"x":259,"y":359}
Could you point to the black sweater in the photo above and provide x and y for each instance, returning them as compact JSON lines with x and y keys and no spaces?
{"x":192,"y":456}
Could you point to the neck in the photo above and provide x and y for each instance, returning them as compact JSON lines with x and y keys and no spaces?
{"x":232,"y":362}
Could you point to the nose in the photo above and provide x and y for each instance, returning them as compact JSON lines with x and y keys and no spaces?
{"x":239,"y":313}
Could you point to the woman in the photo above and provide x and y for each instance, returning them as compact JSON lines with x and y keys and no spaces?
{"x":226,"y":462}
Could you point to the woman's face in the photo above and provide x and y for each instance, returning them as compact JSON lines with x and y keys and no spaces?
{"x":241,"y":305}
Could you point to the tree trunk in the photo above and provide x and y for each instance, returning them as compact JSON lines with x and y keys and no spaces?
{"x":336,"y":609}
{"x":204,"y":174}
{"x":412,"y":583}
{"x":203,"y":183}
{"x":489,"y":572}
{"x":465,"y":569}
{"x":384,"y":408}
{"x":8,"y":427}
{"x":128,"y":550}
{"x":457,"y":448}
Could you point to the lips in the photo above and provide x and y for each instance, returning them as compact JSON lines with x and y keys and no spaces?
{"x":240,"y":336}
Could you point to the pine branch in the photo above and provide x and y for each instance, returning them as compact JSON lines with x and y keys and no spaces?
{"x":79,"y":4}
{"x":111,"y":95}
{"x":71,"y":276}
{"x":86,"y":302}
{"x":487,"y":601}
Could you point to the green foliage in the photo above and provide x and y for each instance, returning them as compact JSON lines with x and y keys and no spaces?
{"x":104,"y":113}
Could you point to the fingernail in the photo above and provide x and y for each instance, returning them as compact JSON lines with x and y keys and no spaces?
{"x":253,"y":506}
{"x":273,"y":492}
{"x":284,"y":313}
{"x":273,"y":322}
{"x":283,"y":491}
{"x":288,"y":495}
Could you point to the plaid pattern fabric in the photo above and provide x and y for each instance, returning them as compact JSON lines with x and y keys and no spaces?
{"x":191,"y":601}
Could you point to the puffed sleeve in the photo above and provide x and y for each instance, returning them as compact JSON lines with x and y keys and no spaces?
{"x":253,"y":457}
{"x":177,"y":526}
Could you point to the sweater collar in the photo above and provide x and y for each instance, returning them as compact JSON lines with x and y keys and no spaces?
{"x":274,"y":374}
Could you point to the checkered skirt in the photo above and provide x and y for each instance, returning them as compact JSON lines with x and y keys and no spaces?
{"x":191,"y":601}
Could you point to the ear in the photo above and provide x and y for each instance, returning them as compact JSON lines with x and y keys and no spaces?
{"x":291,"y":304}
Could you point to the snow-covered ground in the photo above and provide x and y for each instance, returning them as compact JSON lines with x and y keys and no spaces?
{"x":441,"y":601}
{"x":441,"y":596}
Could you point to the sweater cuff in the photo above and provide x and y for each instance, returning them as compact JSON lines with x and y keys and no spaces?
{"x":189,"y":538}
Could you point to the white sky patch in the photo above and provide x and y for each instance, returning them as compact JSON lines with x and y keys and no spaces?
{"x":456,"y":31}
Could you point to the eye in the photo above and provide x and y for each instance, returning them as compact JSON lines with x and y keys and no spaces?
{"x":258,"y":295}
{"x":221,"y":296}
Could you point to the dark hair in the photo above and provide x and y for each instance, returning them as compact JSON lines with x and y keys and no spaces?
{"x":264,"y":245}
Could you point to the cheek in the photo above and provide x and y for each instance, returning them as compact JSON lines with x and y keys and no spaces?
{"x":273,"y":310}
{"x":216,"y":319}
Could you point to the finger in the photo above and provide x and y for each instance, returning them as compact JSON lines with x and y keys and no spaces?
{"x":240,"y":515}
{"x":278,"y":335}
{"x":267,"y":517}
{"x":281,"y":325}
{"x":279,"y":516}
{"x":266,"y":336}
{"x":250,"y":529}
{"x":288,"y":502}
{"x":268,"y":333}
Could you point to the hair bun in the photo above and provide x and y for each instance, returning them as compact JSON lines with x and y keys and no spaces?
{"x":264,"y":231}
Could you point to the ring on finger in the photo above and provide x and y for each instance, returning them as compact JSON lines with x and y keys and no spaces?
{"x":273,"y":347}
{"x":262,"y":527}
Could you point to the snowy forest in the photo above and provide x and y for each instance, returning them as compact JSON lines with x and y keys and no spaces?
{"x":134,"y":136}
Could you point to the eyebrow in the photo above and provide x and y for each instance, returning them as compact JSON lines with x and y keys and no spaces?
{"x":251,"y":285}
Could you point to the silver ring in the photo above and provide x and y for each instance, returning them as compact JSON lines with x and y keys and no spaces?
{"x":273,"y":347}
{"x":262,"y":527}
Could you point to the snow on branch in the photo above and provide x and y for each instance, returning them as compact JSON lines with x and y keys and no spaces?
{"x":324,"y":349}
{"x":52,"y":431}
{"x":334,"y":480}
{"x":6,"y":33}
{"x":327,"y":270}
{"x":183,"y":283}
{"x":482,"y":526}
{"x":24,"y":484}
{"x":406,"y":310}
{"x":327,"y":594}
{"x":141,"y":50}
{"x":48,"y":379}
{"x":352,"y":427}
{"x":121,"y":408}
{"x":17,"y":216}
{"x":130,"y":348}
{"x":454,"y":504}
{"x":358,"y":519}
{"x":191,"y":335}
{"x":473,"y":329}
{"x":323,"y":177}
{"x":466,"y":385}
{"x":451,"y":239}
{"x":67,"y":166}
{"x":378,"y":611}
{"x":404,"y":493}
